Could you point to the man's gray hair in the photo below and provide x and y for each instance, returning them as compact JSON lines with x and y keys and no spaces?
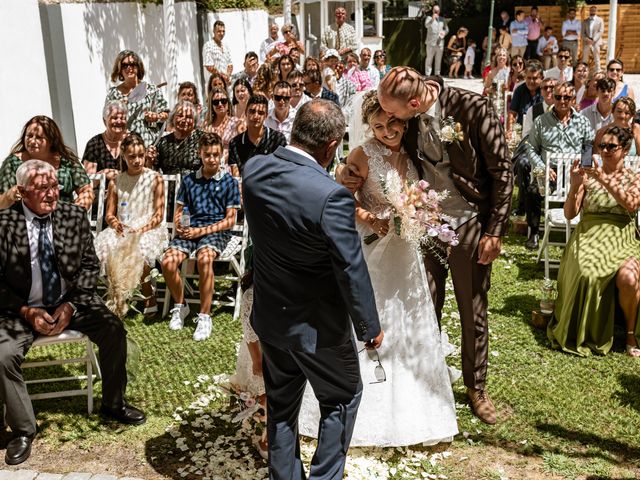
{"x":317,"y":123}
{"x":31,"y":168}
{"x":114,"y":106}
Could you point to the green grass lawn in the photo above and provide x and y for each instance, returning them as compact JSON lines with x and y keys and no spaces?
{"x":559,"y":416}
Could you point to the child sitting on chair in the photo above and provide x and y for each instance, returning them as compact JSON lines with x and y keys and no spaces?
{"x":210,"y":196}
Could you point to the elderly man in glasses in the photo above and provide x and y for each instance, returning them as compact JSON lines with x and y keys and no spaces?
{"x":560,"y":130}
{"x":340,"y":35}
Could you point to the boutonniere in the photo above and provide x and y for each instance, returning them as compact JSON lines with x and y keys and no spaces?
{"x":450,"y":131}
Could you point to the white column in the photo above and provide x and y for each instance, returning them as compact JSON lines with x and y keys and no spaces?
{"x":613,"y":15}
{"x":171,"y":50}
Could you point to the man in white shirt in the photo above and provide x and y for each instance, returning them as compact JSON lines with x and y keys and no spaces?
{"x":534,"y":111}
{"x":599,"y":114}
{"x":267,"y":44}
{"x":365,"y":63}
{"x":571,"y":29}
{"x":564,"y":71}
{"x":548,"y":48}
{"x":296,"y":81}
{"x":281,"y":117}
{"x":592,"y":30}
{"x":216,"y":56}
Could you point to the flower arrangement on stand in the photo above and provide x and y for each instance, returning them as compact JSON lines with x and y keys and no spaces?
{"x":416,"y":216}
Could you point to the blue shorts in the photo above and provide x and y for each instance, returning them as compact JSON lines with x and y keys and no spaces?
{"x":215,"y":241}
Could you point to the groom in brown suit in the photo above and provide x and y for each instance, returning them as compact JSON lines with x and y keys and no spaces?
{"x":476,"y":170}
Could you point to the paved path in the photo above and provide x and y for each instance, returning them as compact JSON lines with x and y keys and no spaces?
{"x":33,"y":475}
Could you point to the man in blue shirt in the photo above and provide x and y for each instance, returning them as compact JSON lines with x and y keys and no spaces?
{"x":519,"y":31}
{"x":211,"y":197}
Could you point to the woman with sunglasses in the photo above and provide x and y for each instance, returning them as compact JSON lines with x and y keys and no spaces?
{"x":147,"y":107}
{"x":283,"y":48}
{"x":220,"y":120}
{"x":623,"y":111}
{"x":615,"y":70}
{"x":41,"y":139}
{"x":600,"y":268}
{"x":380,"y":62}
{"x":516,"y":72}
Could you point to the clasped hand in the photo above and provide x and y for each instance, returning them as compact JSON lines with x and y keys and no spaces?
{"x":46,"y":324}
{"x":188,"y":233}
{"x":348,"y":176}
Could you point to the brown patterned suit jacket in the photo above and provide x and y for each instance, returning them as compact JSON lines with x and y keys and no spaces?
{"x":481,"y":167}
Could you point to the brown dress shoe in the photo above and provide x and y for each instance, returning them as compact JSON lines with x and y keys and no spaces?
{"x":482,"y":405}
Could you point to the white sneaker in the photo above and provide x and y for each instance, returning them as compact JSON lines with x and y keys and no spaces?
{"x":178,"y":313}
{"x":203,"y":330}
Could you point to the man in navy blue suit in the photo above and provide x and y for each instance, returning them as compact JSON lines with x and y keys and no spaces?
{"x":310,"y":284}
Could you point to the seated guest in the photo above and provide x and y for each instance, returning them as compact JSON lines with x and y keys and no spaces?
{"x":251,"y":65}
{"x":622,"y":114}
{"x":560,"y":130}
{"x":294,"y":53}
{"x":41,"y":139}
{"x":135,"y":206}
{"x":599,"y":114}
{"x":537,"y":109}
{"x":345,"y":90}
{"x":289,"y":41}
{"x":600,"y":267}
{"x":281,"y":117}
{"x":145,"y":102}
{"x":222,"y":121}
{"x":380,"y":62}
{"x":296,"y":81}
{"x":211,"y":197}
{"x":615,"y":70}
{"x":177,"y":152}
{"x":188,"y":91}
{"x":314,"y":89}
{"x":590,"y":94}
{"x":499,"y":72}
{"x":563,"y":72}
{"x":57,"y":292}
{"x":242,"y":91}
{"x":329,"y":62}
{"x":283,"y":66}
{"x":264,"y":80}
{"x":102,"y":153}
{"x":258,"y":139}
{"x":580,"y":77}
{"x":524,"y":96}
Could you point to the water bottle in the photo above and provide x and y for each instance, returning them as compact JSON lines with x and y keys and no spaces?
{"x":123,"y":212}
{"x":185,"y":221}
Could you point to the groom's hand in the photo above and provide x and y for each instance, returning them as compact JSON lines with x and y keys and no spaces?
{"x":488,"y":249}
{"x":375,"y":342}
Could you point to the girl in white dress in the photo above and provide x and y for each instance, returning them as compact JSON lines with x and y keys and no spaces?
{"x":407,"y":397}
{"x":135,"y":206}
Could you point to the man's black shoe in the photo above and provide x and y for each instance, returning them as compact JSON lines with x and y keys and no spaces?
{"x":18,"y":450}
{"x":126,"y":414}
{"x":532,"y":242}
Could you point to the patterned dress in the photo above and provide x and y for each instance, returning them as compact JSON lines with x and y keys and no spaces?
{"x":71,"y":176}
{"x":138,"y":192}
{"x":97,"y":152}
{"x":585,"y":309}
{"x":153,"y":101}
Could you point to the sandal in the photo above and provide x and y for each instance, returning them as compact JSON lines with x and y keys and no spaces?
{"x":632,"y":350}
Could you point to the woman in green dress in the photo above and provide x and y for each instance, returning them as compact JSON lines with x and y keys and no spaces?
{"x":600,"y":265}
{"x":41,"y":139}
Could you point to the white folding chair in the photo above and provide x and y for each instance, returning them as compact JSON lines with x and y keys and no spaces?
{"x":88,"y":359}
{"x":633,"y":162}
{"x":554,"y":219}
{"x":99,"y":204}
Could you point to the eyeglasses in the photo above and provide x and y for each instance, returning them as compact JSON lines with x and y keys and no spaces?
{"x":219,"y":101}
{"x":566,"y":98}
{"x":517,"y":63}
{"x":379,"y":372}
{"x":548,"y":87}
{"x":129,"y":65}
{"x":614,"y":69}
{"x":297,"y":85}
{"x":609,"y":147}
{"x":564,"y":56}
{"x":281,"y":98}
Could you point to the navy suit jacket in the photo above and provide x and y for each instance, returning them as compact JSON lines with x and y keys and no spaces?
{"x":309,"y":272}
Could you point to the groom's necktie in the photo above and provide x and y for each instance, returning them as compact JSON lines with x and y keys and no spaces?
{"x":431,"y":145}
{"x":51,"y":283}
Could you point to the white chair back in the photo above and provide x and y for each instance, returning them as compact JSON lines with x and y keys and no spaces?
{"x":564,"y":163}
{"x":171,"y":188}
{"x":99,"y":204}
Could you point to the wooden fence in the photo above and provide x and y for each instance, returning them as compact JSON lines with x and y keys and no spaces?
{"x":627,"y":35}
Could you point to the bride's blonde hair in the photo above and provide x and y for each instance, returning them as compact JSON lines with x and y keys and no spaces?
{"x":370,"y":106}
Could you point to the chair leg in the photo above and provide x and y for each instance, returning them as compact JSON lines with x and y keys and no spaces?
{"x":90,"y":357}
{"x":94,"y":360}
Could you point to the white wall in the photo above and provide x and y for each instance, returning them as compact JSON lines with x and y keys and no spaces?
{"x":24,"y":90}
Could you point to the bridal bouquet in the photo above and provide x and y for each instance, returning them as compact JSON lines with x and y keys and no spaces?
{"x":416,"y":215}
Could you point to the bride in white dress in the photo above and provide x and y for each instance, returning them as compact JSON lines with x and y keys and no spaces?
{"x":414,"y":403}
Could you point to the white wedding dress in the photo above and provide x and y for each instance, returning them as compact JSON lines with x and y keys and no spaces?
{"x":415,"y":404}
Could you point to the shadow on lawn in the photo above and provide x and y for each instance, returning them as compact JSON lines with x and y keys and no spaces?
{"x":631,"y":395}
{"x":620,"y":450}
